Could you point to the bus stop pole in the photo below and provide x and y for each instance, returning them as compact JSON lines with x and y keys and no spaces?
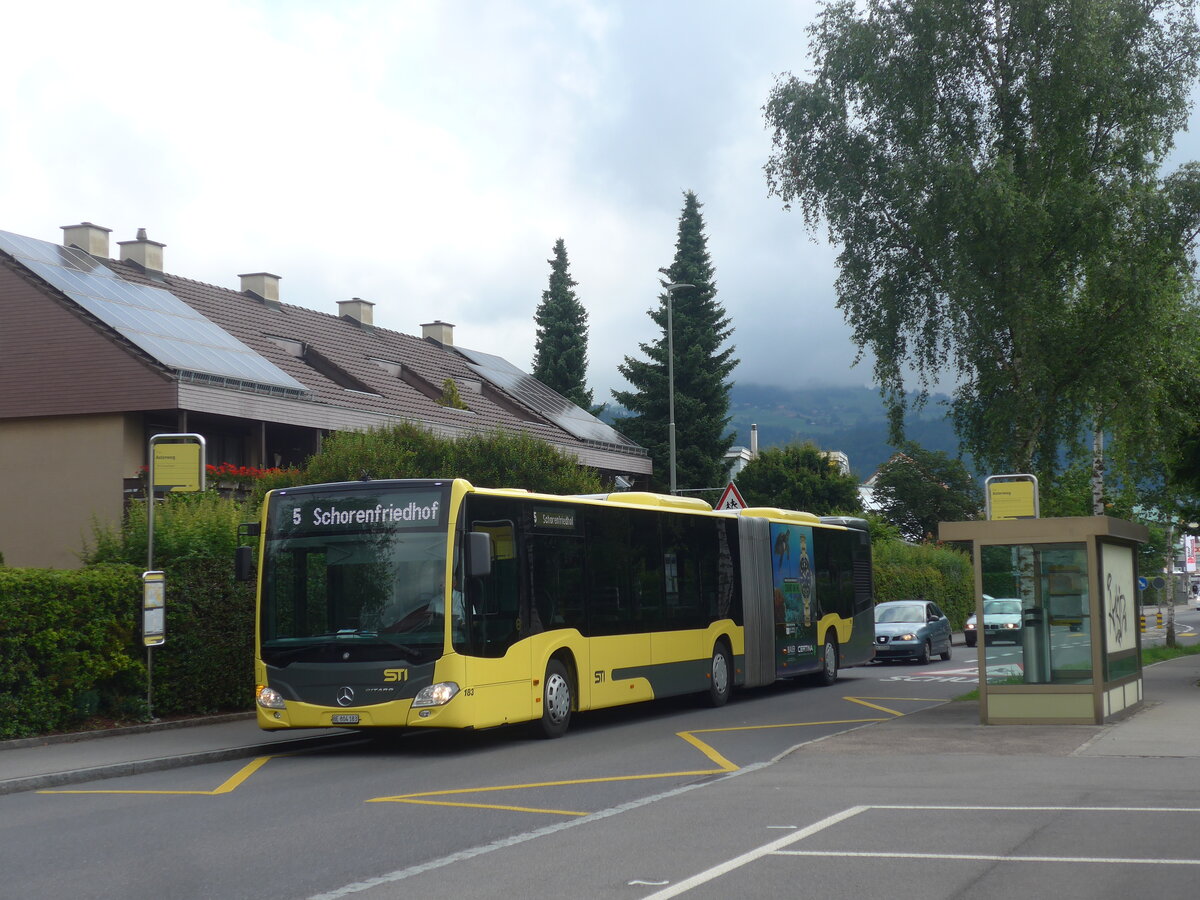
{"x":150,"y":568}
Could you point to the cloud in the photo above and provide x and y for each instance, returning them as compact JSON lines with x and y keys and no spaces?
{"x":426,"y":156}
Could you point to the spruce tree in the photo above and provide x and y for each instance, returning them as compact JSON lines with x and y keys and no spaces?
{"x":560,"y":354}
{"x":702,"y":369}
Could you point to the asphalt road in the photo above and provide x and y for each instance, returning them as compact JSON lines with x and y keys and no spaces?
{"x":832,"y":792}
{"x":314,"y":822}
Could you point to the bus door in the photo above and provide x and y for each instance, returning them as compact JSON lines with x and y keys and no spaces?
{"x":619,"y":670}
{"x":497,"y":662}
{"x":688,"y":565}
{"x":795,"y":601}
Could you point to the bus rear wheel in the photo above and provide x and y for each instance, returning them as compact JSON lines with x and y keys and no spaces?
{"x":556,"y":700}
{"x":720,"y":676}
{"x":829,"y":662}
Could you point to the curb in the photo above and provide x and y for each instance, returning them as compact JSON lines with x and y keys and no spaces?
{"x":137,"y":767}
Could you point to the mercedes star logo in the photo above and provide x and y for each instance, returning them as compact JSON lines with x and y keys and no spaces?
{"x":345,"y":696}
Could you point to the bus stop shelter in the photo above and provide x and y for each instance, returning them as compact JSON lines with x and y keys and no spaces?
{"x":1056,"y":617}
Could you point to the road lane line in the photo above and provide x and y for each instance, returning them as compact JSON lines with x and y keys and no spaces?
{"x":988,"y":857}
{"x":753,"y":855}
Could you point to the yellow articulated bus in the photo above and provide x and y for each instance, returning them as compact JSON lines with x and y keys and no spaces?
{"x":433,"y":603}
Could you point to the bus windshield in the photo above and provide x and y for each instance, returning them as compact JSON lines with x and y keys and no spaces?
{"x":354,"y":569}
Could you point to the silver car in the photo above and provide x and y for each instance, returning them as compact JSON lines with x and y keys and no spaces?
{"x":1001,"y":621}
{"x":911,"y":629}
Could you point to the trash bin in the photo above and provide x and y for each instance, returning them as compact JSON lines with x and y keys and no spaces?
{"x":1035,"y":642}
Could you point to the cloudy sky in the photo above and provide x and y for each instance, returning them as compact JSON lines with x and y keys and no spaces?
{"x":426,"y":154}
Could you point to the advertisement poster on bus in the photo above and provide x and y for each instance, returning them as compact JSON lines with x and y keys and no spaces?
{"x":792,"y":575}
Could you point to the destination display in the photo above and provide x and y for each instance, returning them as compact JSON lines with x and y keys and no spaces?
{"x":308,"y":513}
{"x":555,"y":518}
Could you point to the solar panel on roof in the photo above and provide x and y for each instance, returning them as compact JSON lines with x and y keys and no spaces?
{"x":152,"y":318}
{"x":549,"y":403}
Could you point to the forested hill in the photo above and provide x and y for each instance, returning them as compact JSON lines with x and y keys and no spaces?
{"x":849,"y":419}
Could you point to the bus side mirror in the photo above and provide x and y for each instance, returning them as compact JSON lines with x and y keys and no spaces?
{"x":479,"y":554}
{"x":243,"y":564}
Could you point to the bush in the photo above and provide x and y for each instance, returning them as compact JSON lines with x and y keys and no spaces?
{"x":496,"y":459}
{"x":941,"y":574}
{"x":65,"y":647}
{"x":202,"y":525}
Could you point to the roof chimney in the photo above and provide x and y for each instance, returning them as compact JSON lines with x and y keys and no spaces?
{"x":753,"y":441}
{"x":87,"y":237}
{"x":358,"y":309}
{"x":442,"y":332}
{"x":146,"y":253}
{"x":263,"y":285}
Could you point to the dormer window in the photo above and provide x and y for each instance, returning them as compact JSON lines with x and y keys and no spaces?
{"x":321,"y":363}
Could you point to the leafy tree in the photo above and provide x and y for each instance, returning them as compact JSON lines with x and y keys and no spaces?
{"x":496,"y":459}
{"x":701,"y":368}
{"x":560,"y":353}
{"x":798,"y":476}
{"x":990,"y":170}
{"x":918,"y":488}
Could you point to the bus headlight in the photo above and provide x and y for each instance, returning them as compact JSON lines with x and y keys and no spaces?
{"x":436,"y":694}
{"x":269,"y":698}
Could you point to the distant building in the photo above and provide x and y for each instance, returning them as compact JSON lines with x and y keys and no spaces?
{"x":866,"y":494}
{"x":97,"y":355}
{"x":839,"y":459}
{"x":736,"y":458}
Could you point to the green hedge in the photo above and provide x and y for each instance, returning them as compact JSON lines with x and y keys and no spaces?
{"x":71,"y":647}
{"x":941,"y":574}
{"x":65,"y":640}
{"x":206,"y":664}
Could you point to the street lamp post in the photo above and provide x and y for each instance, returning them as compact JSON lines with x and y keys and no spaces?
{"x":671,"y":289}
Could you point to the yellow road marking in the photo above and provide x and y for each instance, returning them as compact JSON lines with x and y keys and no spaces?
{"x":863,"y":701}
{"x":725,"y":765}
{"x":554,"y":812}
{"x":226,"y":787}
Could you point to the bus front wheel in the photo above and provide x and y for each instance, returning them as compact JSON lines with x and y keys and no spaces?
{"x":720,"y":676}
{"x":556,"y":700}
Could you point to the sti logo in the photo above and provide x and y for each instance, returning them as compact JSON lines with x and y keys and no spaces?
{"x":395,"y":674}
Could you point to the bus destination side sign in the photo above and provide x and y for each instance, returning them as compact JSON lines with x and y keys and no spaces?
{"x":555,"y":518}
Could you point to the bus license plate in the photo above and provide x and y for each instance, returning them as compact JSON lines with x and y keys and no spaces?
{"x":345,"y":719}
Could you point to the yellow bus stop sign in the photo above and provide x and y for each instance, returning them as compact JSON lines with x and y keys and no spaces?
{"x":178,"y":466}
{"x":1012,"y":497}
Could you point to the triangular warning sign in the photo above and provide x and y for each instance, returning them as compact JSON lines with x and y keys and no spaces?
{"x":730,"y":498}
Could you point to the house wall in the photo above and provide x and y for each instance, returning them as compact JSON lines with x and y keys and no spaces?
{"x":53,"y":362}
{"x":56,"y":475}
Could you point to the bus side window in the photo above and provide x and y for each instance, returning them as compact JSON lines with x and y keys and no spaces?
{"x":556,"y":580}
{"x":647,"y":577}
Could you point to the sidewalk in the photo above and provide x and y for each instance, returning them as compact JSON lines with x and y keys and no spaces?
{"x":37,"y":763}
{"x":1168,"y":725}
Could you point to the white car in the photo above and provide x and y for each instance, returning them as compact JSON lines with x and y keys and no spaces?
{"x":1001,"y":621}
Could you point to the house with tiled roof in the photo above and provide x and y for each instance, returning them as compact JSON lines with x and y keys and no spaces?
{"x":97,"y":355}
